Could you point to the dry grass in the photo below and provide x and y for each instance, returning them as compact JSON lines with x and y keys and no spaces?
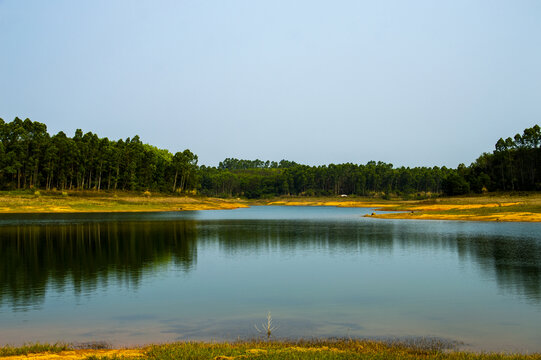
{"x":108,"y":202}
{"x":333,"y":201}
{"x":24,"y":350}
{"x":318,"y":349}
{"x":496,"y":207}
{"x":336,"y":203}
{"x":493,"y":207}
{"x":81,"y":354}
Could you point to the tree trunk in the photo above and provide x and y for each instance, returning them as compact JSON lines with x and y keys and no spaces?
{"x":116,"y":179}
{"x":182,"y":181}
{"x":36,"y":184}
{"x":175,"y":182}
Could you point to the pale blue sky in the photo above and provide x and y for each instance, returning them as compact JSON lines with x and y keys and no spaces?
{"x":406,"y":82}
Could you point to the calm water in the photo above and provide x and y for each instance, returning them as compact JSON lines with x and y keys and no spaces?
{"x":321,"y":271}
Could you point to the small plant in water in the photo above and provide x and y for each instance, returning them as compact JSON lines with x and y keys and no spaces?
{"x":267,"y":328}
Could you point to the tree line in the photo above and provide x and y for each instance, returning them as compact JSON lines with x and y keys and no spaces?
{"x":514,"y":165}
{"x":31,"y":158}
{"x":351,"y":179}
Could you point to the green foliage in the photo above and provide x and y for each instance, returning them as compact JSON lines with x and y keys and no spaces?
{"x":317,"y":349}
{"x":372,"y":179}
{"x":185,"y":167}
{"x":32,"y":159}
{"x":454,"y":184}
{"x":514,"y":165}
{"x":302,"y":349}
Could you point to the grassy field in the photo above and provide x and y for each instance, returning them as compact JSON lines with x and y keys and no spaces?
{"x":322,"y":349}
{"x":496,"y":207}
{"x":93,"y":201}
{"x":7,"y":351}
{"x":490,"y":207}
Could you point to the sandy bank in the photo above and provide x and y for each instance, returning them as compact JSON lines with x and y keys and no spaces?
{"x":78,"y":354}
{"x":332,"y":203}
{"x":112,"y":203}
{"x":475,"y":208}
{"x":509,"y":217}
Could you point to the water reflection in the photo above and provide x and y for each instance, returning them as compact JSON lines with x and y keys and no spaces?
{"x":88,"y":255}
{"x":257,"y":237}
{"x":514,"y":262}
{"x":83,"y":256}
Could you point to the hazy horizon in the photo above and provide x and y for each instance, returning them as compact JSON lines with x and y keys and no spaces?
{"x":412,"y":84}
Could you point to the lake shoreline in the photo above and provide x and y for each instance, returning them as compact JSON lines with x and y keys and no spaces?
{"x":253,"y":349}
{"x":496,"y":207}
{"x":103,"y":202}
{"x":131,"y":266}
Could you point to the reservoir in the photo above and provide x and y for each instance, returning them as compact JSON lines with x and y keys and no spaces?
{"x":138,"y":278}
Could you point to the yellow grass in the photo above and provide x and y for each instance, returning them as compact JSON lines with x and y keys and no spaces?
{"x":78,"y":354}
{"x":110,"y":202}
{"x":513,"y":208}
{"x":445,"y":207}
{"x":337,"y":203}
{"x":319,"y":349}
{"x":510,"y":217}
{"x":526,"y":207}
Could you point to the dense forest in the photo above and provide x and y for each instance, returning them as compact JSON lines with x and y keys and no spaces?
{"x":30,"y":158}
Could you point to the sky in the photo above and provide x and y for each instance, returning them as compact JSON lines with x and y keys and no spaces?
{"x":412,"y":83}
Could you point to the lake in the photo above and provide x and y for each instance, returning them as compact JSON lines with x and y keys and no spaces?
{"x":136,"y":278}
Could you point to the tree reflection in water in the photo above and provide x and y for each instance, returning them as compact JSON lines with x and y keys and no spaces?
{"x":34,"y":257}
{"x":88,"y":255}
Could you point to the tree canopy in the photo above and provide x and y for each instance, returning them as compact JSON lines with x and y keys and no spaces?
{"x":30,"y":158}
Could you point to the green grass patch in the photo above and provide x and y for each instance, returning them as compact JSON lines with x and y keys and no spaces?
{"x":32,"y":348}
{"x":313,"y":350}
{"x":340,"y":349}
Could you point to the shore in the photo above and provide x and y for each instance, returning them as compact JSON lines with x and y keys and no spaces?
{"x":493,"y":207}
{"x":316,"y":349}
{"x":80,"y":202}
